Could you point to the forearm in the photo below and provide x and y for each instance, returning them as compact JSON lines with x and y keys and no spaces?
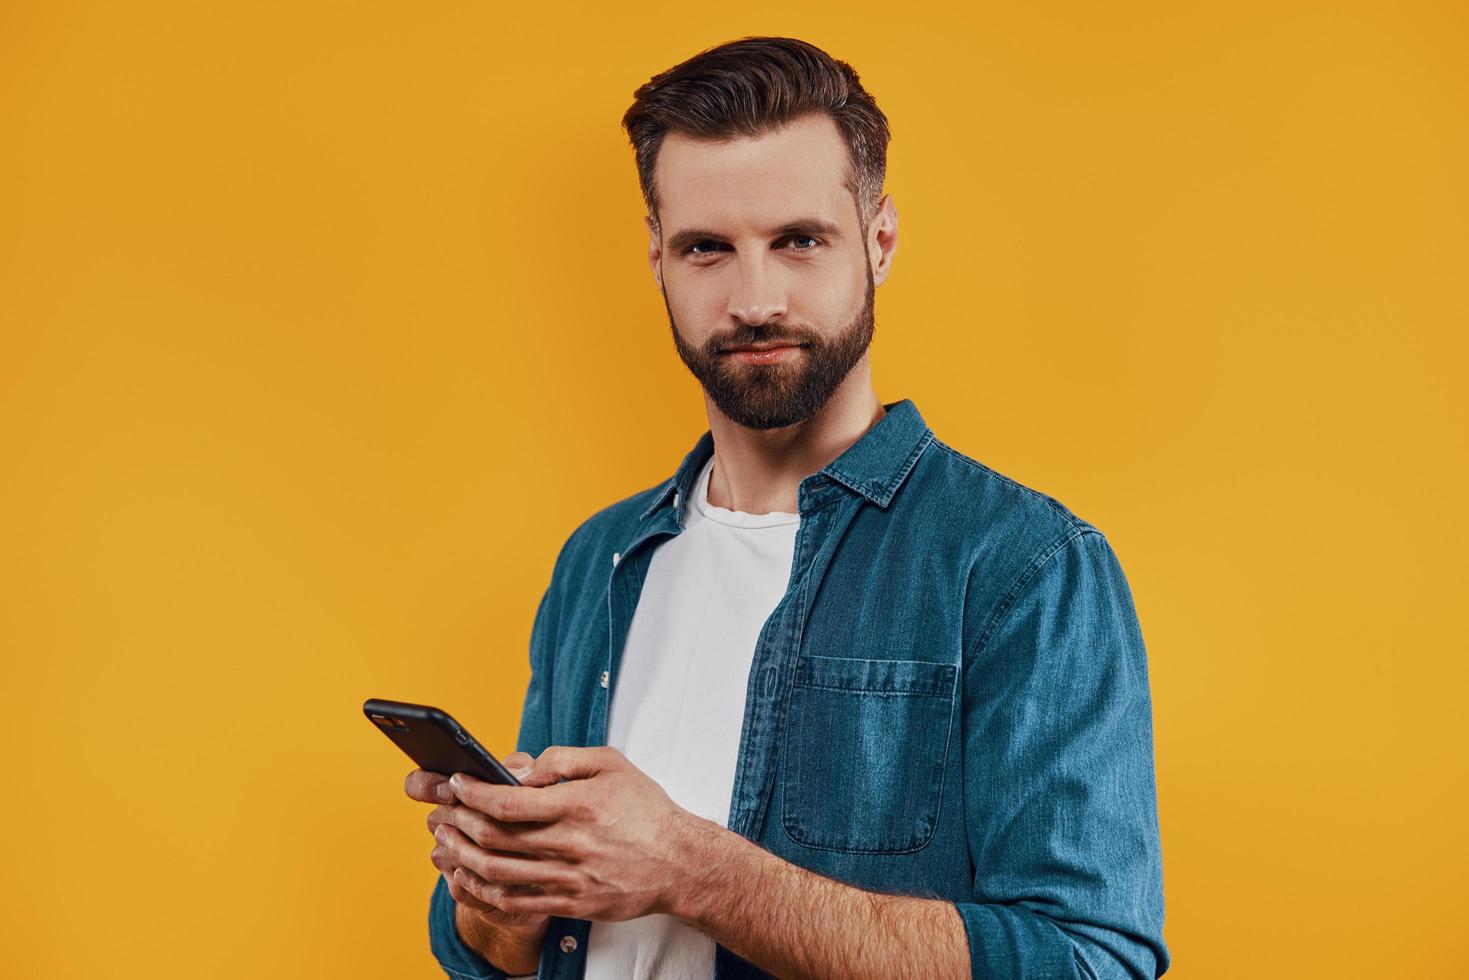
{"x":800,"y":925}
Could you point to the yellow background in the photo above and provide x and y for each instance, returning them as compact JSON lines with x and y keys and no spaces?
{"x":324,"y":324}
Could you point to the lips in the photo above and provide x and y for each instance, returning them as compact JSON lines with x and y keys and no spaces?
{"x":760,"y":347}
{"x":763,"y":355}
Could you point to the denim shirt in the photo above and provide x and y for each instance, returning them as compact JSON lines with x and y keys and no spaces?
{"x":950,"y":701}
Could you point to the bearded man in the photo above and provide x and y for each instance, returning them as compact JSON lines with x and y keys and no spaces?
{"x":834,"y":699}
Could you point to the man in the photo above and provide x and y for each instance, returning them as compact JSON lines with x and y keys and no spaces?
{"x":862,"y":707}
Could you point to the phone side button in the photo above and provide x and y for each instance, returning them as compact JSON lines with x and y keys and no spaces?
{"x":461,"y":737}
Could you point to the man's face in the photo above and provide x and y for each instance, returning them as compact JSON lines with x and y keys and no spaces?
{"x":761,"y":247}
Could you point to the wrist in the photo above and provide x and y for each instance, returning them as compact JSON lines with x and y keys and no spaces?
{"x":711,"y":858}
{"x":510,"y":953}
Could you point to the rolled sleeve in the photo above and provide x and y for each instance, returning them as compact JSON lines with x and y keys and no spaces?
{"x":1060,"y":795}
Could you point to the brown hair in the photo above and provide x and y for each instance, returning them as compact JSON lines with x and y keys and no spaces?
{"x":750,"y":87}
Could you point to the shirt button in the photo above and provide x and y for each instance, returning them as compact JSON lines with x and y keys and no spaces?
{"x":675,"y":500}
{"x":603,"y":679}
{"x":568,"y":944}
{"x":616,"y":557}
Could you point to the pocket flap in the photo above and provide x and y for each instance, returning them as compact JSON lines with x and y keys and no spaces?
{"x":877,"y":676}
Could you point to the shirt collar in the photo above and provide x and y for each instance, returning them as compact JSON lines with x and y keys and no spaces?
{"x":873,"y":466}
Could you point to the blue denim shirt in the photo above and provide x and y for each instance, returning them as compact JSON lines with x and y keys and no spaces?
{"x":950,"y":701}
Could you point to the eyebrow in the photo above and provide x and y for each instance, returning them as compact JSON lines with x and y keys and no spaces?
{"x":801,"y":226}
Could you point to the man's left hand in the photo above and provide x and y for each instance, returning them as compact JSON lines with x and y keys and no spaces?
{"x":606,"y":845}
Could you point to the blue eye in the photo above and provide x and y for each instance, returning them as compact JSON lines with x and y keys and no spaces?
{"x":806,"y":238}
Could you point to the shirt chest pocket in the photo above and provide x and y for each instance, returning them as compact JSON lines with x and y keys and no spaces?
{"x":862,"y":764}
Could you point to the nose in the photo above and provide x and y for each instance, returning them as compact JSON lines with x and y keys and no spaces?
{"x":758,"y":296}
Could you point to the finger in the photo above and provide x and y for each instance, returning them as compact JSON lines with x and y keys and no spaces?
{"x":515,"y":902}
{"x":453,"y":849}
{"x":511,"y":804}
{"x":443,"y":858}
{"x":571,"y":762}
{"x":503,"y":868}
{"x":527,"y":774}
{"x":442,"y":814}
{"x":531,"y":840}
{"x":564,"y":762}
{"x":455,"y":880}
{"x":487,"y":895}
{"x":428,"y":787}
{"x":484,"y":831}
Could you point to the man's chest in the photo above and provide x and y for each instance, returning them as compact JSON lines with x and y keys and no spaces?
{"x":677,"y":701}
{"x":836,"y":689}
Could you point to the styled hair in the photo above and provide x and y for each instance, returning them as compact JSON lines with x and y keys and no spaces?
{"x":750,"y":87}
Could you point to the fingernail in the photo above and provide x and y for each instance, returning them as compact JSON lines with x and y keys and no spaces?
{"x":456,"y":781}
{"x":519,"y":772}
{"x":444,"y":792}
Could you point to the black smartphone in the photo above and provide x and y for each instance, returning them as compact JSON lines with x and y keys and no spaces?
{"x":435,"y":741}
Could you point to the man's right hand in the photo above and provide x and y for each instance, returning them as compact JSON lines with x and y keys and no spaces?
{"x":508,"y":941}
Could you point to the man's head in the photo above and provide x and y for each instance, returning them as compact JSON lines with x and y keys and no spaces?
{"x":762,"y":164}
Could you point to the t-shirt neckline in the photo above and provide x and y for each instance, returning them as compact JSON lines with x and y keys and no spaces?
{"x":734,"y":518}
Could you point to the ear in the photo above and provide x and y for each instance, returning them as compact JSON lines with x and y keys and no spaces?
{"x":882,"y":239}
{"x":655,"y":250}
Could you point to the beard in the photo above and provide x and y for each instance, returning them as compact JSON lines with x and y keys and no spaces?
{"x":772,"y":396}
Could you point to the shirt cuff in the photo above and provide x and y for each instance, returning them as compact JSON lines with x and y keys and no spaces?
{"x":457,"y":960}
{"x":1006,"y":942}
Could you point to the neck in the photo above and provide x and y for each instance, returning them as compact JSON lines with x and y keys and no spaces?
{"x":759,"y":471}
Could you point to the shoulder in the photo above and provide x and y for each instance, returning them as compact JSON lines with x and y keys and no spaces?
{"x":986,"y":502}
{"x":1022,"y":545}
{"x":1001,"y":532}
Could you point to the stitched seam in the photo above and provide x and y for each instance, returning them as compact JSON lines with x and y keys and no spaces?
{"x":873,"y":691}
{"x":911,"y":462}
{"x":955,"y":707}
{"x":867,"y":660}
{"x":661,"y":494}
{"x":1050,"y":502}
{"x":885,"y":492}
{"x":1003,"y":609}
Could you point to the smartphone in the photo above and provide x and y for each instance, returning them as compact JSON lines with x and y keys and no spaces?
{"x":435,"y":741}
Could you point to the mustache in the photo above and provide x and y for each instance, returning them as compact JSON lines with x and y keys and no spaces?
{"x":763,"y":336}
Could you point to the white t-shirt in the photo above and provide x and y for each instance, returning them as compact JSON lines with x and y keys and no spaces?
{"x":678,"y":701}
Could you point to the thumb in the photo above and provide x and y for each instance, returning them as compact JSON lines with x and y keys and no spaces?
{"x":523,"y":767}
{"x":567,"y":762}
